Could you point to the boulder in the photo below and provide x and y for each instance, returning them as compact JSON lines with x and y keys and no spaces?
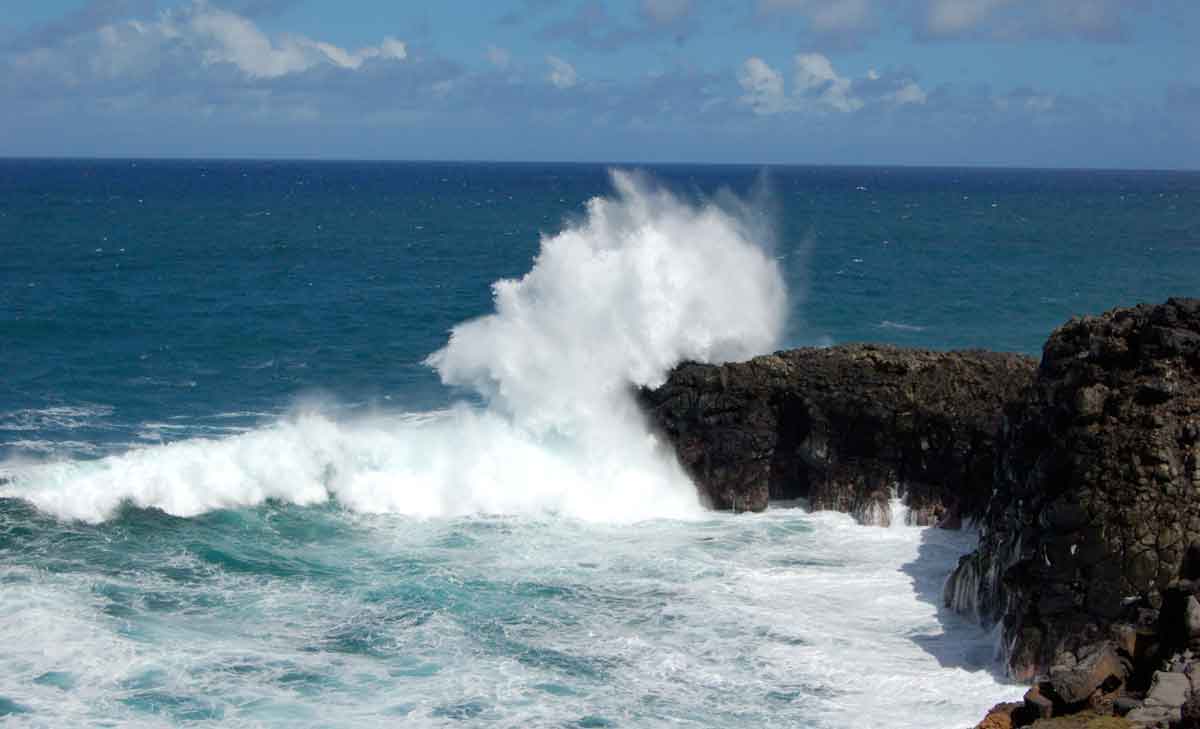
{"x":1101,"y":668}
{"x":844,"y":427}
{"x":1097,"y":492}
{"x":1000,"y":716}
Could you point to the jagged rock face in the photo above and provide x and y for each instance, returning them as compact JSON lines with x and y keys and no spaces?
{"x":842,"y":427}
{"x":1097,"y":489}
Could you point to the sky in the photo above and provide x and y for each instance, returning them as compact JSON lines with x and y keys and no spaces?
{"x":1041,"y":83}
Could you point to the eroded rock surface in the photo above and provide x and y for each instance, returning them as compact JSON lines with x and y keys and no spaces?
{"x":843,"y":427}
{"x":1097,"y":503}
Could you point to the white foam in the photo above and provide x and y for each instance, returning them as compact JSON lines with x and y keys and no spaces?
{"x":464,"y":463}
{"x":643,"y":282}
{"x":775,"y":619}
{"x":67,"y":417}
{"x":900,"y":326}
{"x":34,"y":445}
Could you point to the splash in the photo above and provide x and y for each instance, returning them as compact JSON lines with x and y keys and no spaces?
{"x":643,"y":281}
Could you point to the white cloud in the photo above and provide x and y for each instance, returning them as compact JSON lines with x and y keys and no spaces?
{"x":203,"y":35}
{"x":908,"y":93}
{"x":562,"y":74}
{"x":817,"y":81}
{"x":763,"y":86}
{"x":818,"y":87}
{"x":499,"y":57}
{"x":233,"y":39}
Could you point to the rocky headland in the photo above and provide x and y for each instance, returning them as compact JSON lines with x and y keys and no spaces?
{"x":1082,"y":474}
{"x":846,"y":428}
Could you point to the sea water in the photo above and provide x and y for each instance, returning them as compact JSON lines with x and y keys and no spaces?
{"x":343,"y":444}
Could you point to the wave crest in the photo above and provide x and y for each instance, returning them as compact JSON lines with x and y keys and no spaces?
{"x":645,"y":280}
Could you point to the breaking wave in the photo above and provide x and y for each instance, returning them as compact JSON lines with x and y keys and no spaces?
{"x":643,"y":281}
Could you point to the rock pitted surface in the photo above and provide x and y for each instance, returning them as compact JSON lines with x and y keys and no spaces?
{"x":1097,"y":499}
{"x":843,"y":427}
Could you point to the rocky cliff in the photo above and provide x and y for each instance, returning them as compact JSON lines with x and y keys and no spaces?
{"x":1097,"y":497}
{"x":1090,"y":548}
{"x":1084,"y":475}
{"x":843,"y":427}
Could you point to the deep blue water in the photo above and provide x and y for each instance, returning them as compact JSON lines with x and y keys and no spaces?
{"x":195,"y":289}
{"x":240,"y":347}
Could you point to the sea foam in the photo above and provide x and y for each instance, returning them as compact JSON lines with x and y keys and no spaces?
{"x":643,"y":281}
{"x":331,"y":618}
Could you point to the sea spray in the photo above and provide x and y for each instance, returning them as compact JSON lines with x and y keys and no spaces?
{"x":643,"y":281}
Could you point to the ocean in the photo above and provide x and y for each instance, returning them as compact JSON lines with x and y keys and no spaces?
{"x":299,"y":444}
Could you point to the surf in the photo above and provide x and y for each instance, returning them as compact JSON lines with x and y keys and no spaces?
{"x":643,"y":280}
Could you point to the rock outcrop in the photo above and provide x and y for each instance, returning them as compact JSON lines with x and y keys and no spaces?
{"x":1090,"y":548}
{"x":844,"y":427}
{"x":1083,"y":473}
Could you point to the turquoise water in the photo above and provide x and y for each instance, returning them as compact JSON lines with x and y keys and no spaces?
{"x":279,"y":615}
{"x":234,"y":491}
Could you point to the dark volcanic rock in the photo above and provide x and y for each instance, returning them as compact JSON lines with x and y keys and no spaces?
{"x":1097,"y":504}
{"x":843,"y":427}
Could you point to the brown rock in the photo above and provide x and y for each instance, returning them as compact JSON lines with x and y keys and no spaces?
{"x":1102,"y":668}
{"x":1085,"y":720}
{"x":1000,"y":716}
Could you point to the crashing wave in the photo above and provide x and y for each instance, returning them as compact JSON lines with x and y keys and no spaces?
{"x":644,"y":281}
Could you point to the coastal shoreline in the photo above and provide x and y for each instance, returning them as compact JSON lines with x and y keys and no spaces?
{"x":1082,"y":473}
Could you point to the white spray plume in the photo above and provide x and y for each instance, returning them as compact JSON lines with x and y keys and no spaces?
{"x":645,"y":280}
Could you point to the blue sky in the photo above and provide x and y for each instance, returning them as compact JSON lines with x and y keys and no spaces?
{"x":1075,"y":83}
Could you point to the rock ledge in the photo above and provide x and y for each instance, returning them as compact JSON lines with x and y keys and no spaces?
{"x":843,"y":427}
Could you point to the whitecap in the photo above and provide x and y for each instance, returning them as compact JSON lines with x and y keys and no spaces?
{"x":67,"y":417}
{"x":900,"y":326}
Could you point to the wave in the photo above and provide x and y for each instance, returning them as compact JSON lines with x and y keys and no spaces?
{"x":65,"y":417}
{"x":900,"y":326}
{"x":463,"y":462}
{"x":34,"y":445}
{"x":642,"y":282}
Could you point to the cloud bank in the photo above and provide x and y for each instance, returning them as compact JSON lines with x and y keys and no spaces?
{"x":766,"y":80}
{"x":198,"y":35}
{"x":816,"y":88}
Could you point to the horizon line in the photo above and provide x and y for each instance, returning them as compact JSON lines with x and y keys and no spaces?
{"x":611,"y":163}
